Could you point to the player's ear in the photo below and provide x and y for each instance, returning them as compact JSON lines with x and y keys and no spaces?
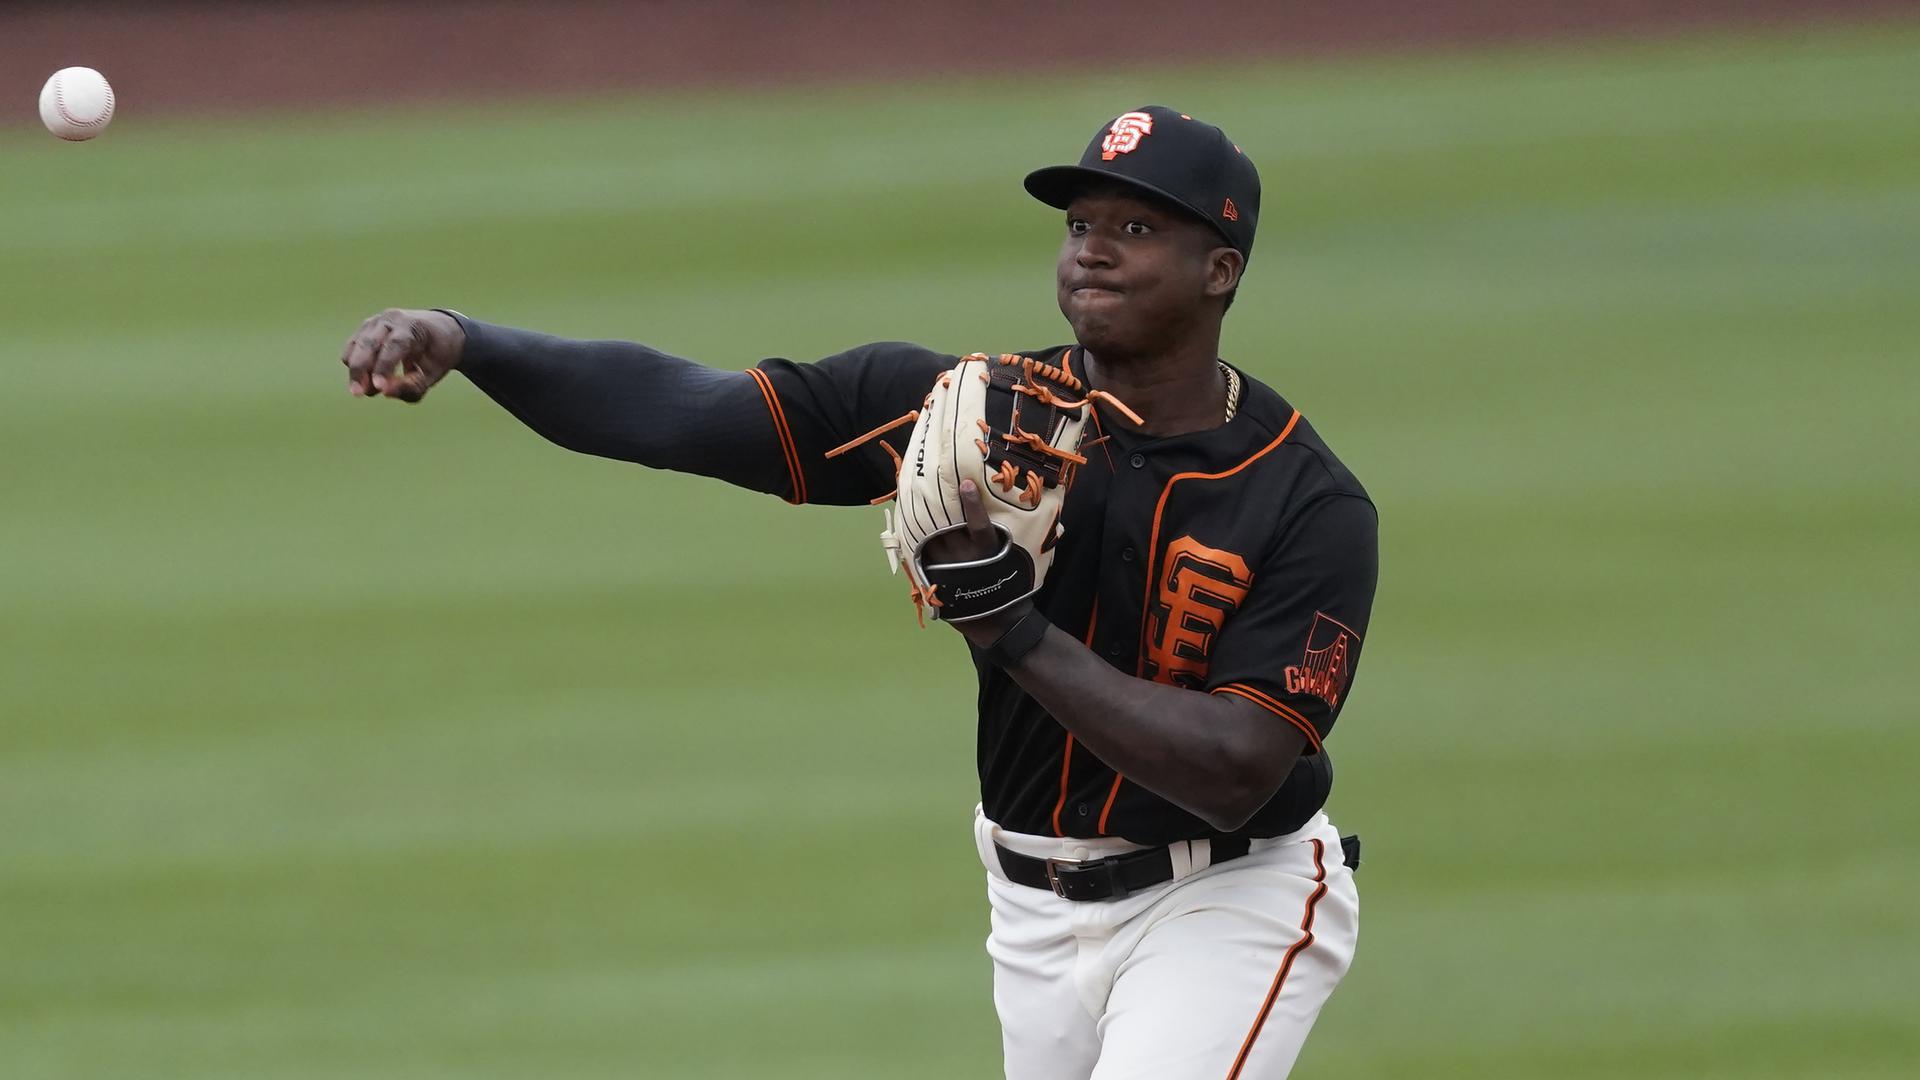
{"x":1224,"y":265}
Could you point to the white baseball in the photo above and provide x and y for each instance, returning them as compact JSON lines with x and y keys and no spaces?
{"x":76,"y":103}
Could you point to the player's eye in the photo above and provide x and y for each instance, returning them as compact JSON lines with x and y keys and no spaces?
{"x":1077,"y":226}
{"x":1138,"y":228}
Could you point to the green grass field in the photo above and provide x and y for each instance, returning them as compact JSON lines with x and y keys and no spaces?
{"x":339,"y":739}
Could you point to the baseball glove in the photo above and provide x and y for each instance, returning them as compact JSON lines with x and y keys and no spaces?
{"x":1014,"y":427}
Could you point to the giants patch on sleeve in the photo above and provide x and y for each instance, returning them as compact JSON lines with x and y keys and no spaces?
{"x":1327,"y":666}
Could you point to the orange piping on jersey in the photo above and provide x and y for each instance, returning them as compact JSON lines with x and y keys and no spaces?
{"x":1066,"y":767}
{"x":1066,"y":361}
{"x":1066,"y":755}
{"x":1275,"y":707}
{"x":1286,"y":963}
{"x":786,"y":437}
{"x":1108,"y":809}
{"x":1153,"y":538}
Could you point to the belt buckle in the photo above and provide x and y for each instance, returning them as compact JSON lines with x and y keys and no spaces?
{"x":1116,"y":887}
{"x":1053,"y":875}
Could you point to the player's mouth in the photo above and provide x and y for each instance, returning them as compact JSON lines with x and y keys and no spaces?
{"x":1095,"y":291}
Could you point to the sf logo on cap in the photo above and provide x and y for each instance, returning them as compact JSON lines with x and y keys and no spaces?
{"x":1124,"y":134}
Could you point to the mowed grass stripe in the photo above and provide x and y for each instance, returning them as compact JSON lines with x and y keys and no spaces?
{"x":664,"y":148}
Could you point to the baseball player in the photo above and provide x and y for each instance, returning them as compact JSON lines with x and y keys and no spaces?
{"x":1162,"y":661}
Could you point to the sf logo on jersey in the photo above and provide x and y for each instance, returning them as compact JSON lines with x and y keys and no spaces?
{"x":1124,"y":134}
{"x":1199,"y":589}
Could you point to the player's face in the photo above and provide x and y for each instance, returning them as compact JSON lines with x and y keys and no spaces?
{"x":1133,"y":276}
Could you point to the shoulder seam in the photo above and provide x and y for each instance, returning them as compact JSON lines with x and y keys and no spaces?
{"x":1287,"y":523}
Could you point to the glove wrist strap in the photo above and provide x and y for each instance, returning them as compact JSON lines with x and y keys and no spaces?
{"x":977,"y":588}
{"x":1020,"y":639}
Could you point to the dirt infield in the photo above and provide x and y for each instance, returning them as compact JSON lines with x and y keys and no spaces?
{"x":223,"y":56}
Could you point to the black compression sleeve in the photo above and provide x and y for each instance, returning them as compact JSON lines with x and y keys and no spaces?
{"x":621,"y":400}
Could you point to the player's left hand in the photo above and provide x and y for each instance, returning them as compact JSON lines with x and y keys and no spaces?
{"x":976,"y":541}
{"x":1008,"y":428}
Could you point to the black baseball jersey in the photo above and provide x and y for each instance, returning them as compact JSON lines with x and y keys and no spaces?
{"x":1240,"y":560}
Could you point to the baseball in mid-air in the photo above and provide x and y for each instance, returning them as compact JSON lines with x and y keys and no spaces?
{"x":76,"y":103}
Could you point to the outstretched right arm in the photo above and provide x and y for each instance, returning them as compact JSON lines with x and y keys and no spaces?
{"x":766,"y":428}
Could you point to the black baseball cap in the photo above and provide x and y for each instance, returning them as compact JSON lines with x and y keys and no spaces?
{"x":1166,"y":153}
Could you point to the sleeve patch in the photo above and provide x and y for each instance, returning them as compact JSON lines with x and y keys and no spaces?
{"x":1327,"y":666}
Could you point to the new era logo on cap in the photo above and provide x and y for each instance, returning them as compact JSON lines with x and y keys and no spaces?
{"x":1230,"y":211}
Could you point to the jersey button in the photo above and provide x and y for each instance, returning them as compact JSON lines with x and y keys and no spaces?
{"x":1126,"y":554}
{"x":1138,"y":461}
{"x":1113,"y":649}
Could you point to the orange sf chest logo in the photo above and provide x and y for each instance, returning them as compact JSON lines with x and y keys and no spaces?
{"x":1199,"y":588}
{"x":1124,"y":134}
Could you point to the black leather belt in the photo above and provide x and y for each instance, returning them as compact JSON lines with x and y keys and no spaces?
{"x":1104,"y":879}
{"x":1120,"y":875}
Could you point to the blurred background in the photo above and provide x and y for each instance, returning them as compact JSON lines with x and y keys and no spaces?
{"x":344,"y":739}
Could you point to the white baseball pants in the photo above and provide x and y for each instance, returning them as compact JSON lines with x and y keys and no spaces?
{"x":1216,"y":975}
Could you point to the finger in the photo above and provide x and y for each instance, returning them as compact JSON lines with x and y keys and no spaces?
{"x":979,"y":527}
{"x":395,"y":354}
{"x":409,"y":387}
{"x":361,"y":350}
{"x":349,"y":354}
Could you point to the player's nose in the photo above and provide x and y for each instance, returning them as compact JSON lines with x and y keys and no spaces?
{"x":1093,"y":253}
